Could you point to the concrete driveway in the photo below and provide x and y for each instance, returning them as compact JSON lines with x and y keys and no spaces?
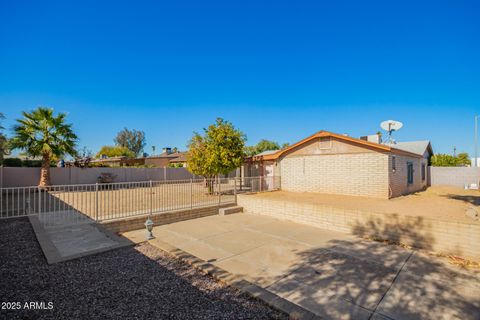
{"x":334,"y":275}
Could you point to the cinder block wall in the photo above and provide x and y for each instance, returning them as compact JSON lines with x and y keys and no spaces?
{"x":454,"y":176}
{"x":137,"y":222}
{"x":435,"y":235}
{"x":357,"y":174}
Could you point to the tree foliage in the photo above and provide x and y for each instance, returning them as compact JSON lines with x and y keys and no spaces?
{"x":115,"y":151}
{"x":463,"y":159}
{"x":3,"y":141}
{"x":218,"y":151}
{"x":133,"y":140}
{"x":261,"y":146}
{"x":42,"y":133}
{"x":446,"y":160}
{"x":264,"y":145}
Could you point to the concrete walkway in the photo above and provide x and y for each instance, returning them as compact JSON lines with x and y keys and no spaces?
{"x":334,"y":275}
{"x":68,"y":235}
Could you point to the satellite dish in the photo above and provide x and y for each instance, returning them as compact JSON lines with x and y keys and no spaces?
{"x":391,"y":126}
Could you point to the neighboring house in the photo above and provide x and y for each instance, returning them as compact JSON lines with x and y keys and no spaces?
{"x":165,"y":158}
{"x":474,"y":163}
{"x":119,"y":161}
{"x":180,"y":160}
{"x":327,"y":162}
{"x":159,"y":161}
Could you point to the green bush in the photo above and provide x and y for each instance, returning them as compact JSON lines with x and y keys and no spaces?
{"x":17,"y":162}
{"x":12,"y":162}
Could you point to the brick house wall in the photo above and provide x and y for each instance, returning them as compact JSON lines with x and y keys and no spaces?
{"x":399,"y":178}
{"x":357,"y":174}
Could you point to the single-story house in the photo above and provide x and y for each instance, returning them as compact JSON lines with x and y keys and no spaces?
{"x":164,"y":159}
{"x":326,"y":162}
{"x":161,"y":160}
{"x":180,"y":160}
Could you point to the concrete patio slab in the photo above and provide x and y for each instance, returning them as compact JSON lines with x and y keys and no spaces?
{"x":312,"y":237}
{"x":71,"y":241}
{"x":389,"y":256}
{"x":411,"y":297}
{"x":206,"y":252}
{"x":330,"y":274}
{"x":239,"y":241}
{"x":197,"y":230}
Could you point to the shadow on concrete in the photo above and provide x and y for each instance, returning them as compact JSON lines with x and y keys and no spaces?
{"x":412,"y":231}
{"x":364,"y":280}
{"x":361,"y":279}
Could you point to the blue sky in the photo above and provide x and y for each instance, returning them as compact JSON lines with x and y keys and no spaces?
{"x":276,"y":69}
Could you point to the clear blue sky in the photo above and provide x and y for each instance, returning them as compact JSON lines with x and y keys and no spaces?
{"x":277,"y":70}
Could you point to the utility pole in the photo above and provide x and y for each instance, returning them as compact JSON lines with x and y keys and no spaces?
{"x":475,"y":159}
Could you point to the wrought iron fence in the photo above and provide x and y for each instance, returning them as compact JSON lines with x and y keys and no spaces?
{"x":124,"y":199}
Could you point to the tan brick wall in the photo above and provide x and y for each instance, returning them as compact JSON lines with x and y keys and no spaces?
{"x":137,"y":222}
{"x":357,"y":174}
{"x":435,"y":235}
{"x":398,"y":178}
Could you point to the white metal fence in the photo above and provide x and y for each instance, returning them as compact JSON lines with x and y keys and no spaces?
{"x":125,"y":199}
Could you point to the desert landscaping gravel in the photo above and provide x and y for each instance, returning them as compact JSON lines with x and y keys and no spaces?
{"x":139,"y":282}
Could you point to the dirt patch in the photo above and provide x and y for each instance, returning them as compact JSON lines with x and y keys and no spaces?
{"x":444,"y":203}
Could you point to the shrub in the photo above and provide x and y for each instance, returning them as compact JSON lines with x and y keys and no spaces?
{"x":12,"y":162}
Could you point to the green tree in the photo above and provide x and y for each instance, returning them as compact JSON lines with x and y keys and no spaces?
{"x":115,"y":151}
{"x":218,"y":151}
{"x":463,"y":159}
{"x":446,"y":160}
{"x":41,"y":133}
{"x":133,"y":140}
{"x":263,"y":145}
{"x":3,"y":142}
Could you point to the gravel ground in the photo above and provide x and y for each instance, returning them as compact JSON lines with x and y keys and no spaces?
{"x":130,"y":283}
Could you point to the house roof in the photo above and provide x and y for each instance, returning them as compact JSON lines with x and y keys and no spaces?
{"x":418,"y":147}
{"x":167,"y":155}
{"x":181,"y":158}
{"x":323,"y":134}
{"x":264,"y":153}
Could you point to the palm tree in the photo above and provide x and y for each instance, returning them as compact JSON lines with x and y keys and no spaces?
{"x":41,"y":133}
{"x":3,"y":141}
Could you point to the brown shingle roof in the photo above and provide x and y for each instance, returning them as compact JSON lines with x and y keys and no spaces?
{"x":322,"y":134}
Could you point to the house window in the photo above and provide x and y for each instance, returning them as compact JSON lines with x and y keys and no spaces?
{"x":394,"y":164}
{"x":410,"y":173}
{"x":423,"y":171}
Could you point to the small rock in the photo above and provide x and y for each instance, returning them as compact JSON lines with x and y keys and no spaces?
{"x":472,"y":213}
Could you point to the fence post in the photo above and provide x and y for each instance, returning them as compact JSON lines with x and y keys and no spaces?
{"x":191,"y":194}
{"x":39,"y":199}
{"x":96,"y":201}
{"x":219,"y":191}
{"x":151,"y":197}
{"x":235,"y":189}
